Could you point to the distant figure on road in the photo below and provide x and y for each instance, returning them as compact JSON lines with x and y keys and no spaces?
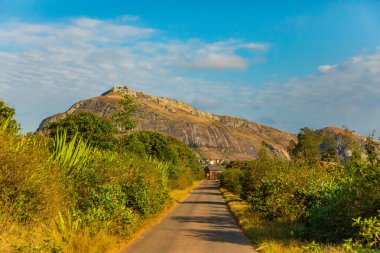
{"x":213,"y":172}
{"x":207,"y":172}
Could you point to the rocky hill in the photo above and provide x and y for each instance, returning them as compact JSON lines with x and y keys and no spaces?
{"x":345,"y":141}
{"x":212,"y":136}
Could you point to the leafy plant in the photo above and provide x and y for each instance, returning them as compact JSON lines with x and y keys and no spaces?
{"x":95,"y":130}
{"x":72,"y":154}
{"x":312,"y":247}
{"x":122,"y":117}
{"x":7,"y":123}
{"x":368,"y":237}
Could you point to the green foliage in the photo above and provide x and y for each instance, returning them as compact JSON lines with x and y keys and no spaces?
{"x":312,"y":247}
{"x":355,"y":191}
{"x":86,"y":192}
{"x":97,"y":131}
{"x":124,"y":112}
{"x":7,"y":123}
{"x":270,"y":186}
{"x":328,"y":148}
{"x":113,"y":182}
{"x":308,"y":146}
{"x":323,"y":199}
{"x":145,"y":144}
{"x":368,"y":238}
{"x":182,"y":165}
{"x":30,"y":189}
{"x":72,"y":154}
{"x":371,"y":148}
{"x":231,"y":180}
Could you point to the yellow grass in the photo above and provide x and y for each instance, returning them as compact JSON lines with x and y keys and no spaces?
{"x":44,"y":238}
{"x":269,"y":237}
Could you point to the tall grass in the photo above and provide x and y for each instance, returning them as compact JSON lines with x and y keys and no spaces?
{"x":4,"y":125}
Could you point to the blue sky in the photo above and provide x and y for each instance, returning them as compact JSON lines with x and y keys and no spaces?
{"x":287,"y":64}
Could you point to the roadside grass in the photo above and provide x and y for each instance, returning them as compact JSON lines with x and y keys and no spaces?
{"x":179,"y":195}
{"x":270,"y":237}
{"x":48,"y":238}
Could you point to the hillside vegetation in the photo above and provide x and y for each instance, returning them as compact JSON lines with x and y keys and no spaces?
{"x":310,"y":203}
{"x":213,"y":136}
{"x":80,"y":191}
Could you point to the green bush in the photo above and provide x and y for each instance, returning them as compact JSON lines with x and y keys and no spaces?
{"x":96,"y":130}
{"x":324,"y":199}
{"x":356,"y":193}
{"x":182,"y":165}
{"x":145,"y":144}
{"x":231,"y":180}
{"x":368,"y":238}
{"x":7,"y":122}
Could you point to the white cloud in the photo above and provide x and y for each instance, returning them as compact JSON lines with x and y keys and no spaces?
{"x":326,"y":68}
{"x":44,"y":68}
{"x":347,"y":93}
{"x":220,"y":61}
{"x":256,"y":46}
{"x":87,"y":22}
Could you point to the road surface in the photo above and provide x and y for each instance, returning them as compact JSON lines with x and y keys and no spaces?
{"x":200,"y":223}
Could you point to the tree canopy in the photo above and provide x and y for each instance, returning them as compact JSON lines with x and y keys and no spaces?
{"x":6,"y":116}
{"x":98,"y":131}
{"x":122,"y":118}
{"x":308,"y":146}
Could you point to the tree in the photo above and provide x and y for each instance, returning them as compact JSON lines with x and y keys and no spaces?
{"x":146,"y":143}
{"x":6,"y":117}
{"x":126,"y":108}
{"x":308,"y":146}
{"x":98,"y":131}
{"x":371,"y":148}
{"x":329,"y":148}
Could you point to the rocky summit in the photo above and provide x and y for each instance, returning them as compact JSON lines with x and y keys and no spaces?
{"x":211,"y":136}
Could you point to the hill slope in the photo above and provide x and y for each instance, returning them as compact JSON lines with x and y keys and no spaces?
{"x":212,"y":136}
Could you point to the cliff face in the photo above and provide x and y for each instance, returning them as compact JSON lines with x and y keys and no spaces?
{"x":212,"y":136}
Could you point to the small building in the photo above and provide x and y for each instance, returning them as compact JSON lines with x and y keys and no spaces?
{"x":213,"y":172}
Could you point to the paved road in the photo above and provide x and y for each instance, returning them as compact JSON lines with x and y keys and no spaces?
{"x":201,"y":223}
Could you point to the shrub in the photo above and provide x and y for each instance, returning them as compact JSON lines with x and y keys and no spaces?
{"x":231,"y":180}
{"x":122,"y":117}
{"x":7,"y":122}
{"x":96,"y":130}
{"x":182,"y":165}
{"x":368,"y":238}
{"x":30,"y":185}
{"x":356,"y":193}
{"x":145,"y":144}
{"x":72,"y":154}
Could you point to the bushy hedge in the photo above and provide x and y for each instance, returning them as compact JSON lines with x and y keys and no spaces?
{"x":96,"y":130}
{"x":325,"y":199}
{"x":182,"y":165}
{"x":354,"y":192}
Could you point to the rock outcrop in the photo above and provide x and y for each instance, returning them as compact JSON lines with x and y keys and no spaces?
{"x":212,"y":136}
